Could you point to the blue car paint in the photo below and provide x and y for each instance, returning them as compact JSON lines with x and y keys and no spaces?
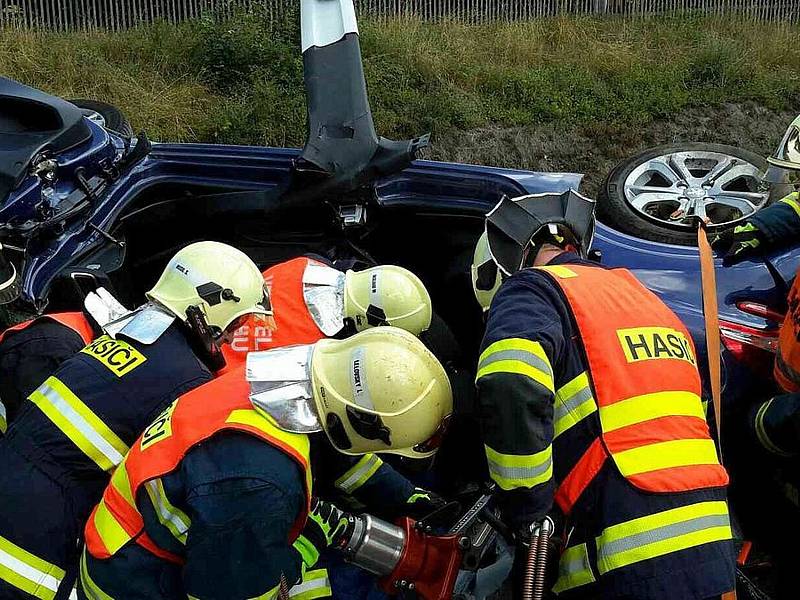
{"x":670,"y":271}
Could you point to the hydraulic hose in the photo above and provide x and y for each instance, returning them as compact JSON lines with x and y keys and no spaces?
{"x":533,"y":581}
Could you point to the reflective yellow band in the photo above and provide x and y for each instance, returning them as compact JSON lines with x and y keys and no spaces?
{"x":27,"y":572}
{"x":108,"y":528}
{"x":560,"y":272}
{"x":265,"y":423}
{"x":168,"y":515}
{"x":121,"y":483}
{"x":665,"y":455}
{"x":761,"y":432}
{"x":574,"y":402}
{"x":315,"y":584}
{"x":662,"y":533}
{"x":79,"y":424}
{"x":650,"y":406}
{"x":89,"y":587}
{"x":518,"y":356}
{"x":791,"y":200}
{"x":574,"y":569}
{"x":359,"y":473}
{"x":512,"y":471}
{"x":3,"y":422}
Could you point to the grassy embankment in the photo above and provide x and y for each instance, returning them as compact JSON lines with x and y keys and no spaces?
{"x":241,"y":82}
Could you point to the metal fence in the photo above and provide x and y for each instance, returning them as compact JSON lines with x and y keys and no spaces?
{"x":123,"y":14}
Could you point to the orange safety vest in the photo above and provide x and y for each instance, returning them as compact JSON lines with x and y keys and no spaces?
{"x":787,"y":359}
{"x":294,"y":323}
{"x":76,"y":321}
{"x":221,"y":404}
{"x":643,"y":370}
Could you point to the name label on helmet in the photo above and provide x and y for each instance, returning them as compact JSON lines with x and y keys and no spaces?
{"x":120,"y":357}
{"x":160,"y":429}
{"x":654,"y":343}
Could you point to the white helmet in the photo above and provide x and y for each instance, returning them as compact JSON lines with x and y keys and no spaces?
{"x":486,"y":277}
{"x":387,"y":295}
{"x":381,"y":391}
{"x":216,"y":278}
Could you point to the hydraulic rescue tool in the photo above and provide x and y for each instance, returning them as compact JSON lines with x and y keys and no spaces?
{"x":410,"y":556}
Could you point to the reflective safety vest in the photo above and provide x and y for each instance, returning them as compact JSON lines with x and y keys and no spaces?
{"x":294,"y":322}
{"x":644,"y":384}
{"x":787,"y":359}
{"x":76,"y":321}
{"x":221,"y":404}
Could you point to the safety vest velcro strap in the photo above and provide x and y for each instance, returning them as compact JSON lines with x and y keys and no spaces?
{"x":27,"y":572}
{"x":77,"y":421}
{"x":357,"y":475}
{"x":662,"y":533}
{"x":762,"y":434}
{"x":89,"y":587}
{"x":512,"y":471}
{"x":171,"y":517}
{"x":574,"y":402}
{"x":315,"y":585}
{"x":574,"y":569}
{"x":517,"y":356}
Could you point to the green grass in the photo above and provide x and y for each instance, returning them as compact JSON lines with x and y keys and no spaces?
{"x":240,"y":81}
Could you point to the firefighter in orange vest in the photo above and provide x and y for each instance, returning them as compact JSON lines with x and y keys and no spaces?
{"x":31,"y":351}
{"x":65,"y":443}
{"x":589,"y":398}
{"x":313,"y":300}
{"x":213,"y":499}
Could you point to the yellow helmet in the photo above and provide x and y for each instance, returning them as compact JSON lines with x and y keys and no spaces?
{"x":381,"y":390}
{"x":486,"y":277}
{"x":387,"y":295}
{"x":218,"y":279}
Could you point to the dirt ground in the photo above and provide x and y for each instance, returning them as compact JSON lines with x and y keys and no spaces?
{"x":596,"y":149}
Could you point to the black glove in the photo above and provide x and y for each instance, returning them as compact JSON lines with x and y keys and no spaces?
{"x":323,"y":527}
{"x":740,"y":243}
{"x":421,"y":503}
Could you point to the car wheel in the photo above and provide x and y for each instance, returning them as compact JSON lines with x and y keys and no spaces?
{"x":105,"y":115}
{"x":654,"y":194}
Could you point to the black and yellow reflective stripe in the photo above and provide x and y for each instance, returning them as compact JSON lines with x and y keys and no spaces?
{"x":761,"y":431}
{"x":518,"y":356}
{"x":662,"y":533}
{"x":89,"y":587}
{"x":574,"y":569}
{"x":171,"y":517}
{"x":359,"y":473}
{"x":28,"y":572}
{"x":77,"y":421}
{"x":574,"y":402}
{"x":792,"y":200}
{"x":315,"y":585}
{"x":512,"y":471}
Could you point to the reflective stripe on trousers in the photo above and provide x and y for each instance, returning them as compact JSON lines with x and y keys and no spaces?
{"x":511,"y":471}
{"x":358,"y":474}
{"x":77,"y":421}
{"x":88,"y":586}
{"x":28,"y":572}
{"x":662,"y":533}
{"x":574,"y":569}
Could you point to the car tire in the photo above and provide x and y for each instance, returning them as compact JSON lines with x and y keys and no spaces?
{"x":615,"y":210}
{"x":110,"y":116}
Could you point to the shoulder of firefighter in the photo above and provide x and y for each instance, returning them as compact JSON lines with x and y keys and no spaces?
{"x":169,"y":474}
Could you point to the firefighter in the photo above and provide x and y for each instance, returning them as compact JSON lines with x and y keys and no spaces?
{"x":212,"y":500}
{"x":30,"y":351}
{"x":589,"y":399}
{"x":313,"y":300}
{"x":81,"y":421}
